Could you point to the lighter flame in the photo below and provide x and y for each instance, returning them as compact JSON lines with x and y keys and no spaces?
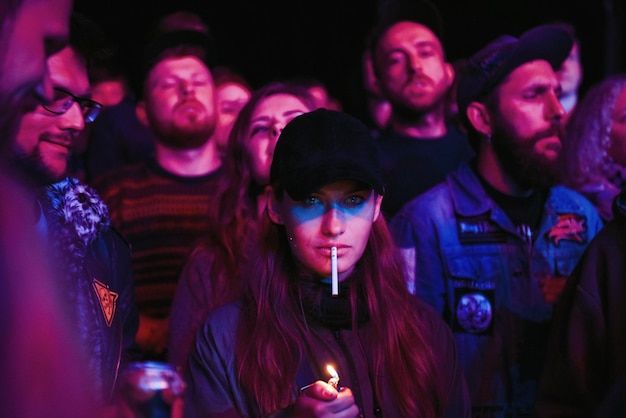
{"x":332,"y":371}
{"x":334,"y":380}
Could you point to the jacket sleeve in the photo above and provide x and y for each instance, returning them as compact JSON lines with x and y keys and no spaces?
{"x":585,"y":354}
{"x":191,"y":305}
{"x":212,"y":390}
{"x":416,"y":239}
{"x":457,"y":401}
{"x":126,"y":303}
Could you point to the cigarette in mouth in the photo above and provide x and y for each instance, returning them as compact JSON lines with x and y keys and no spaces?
{"x":333,"y":270}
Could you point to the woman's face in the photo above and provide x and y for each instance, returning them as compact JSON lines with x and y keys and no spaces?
{"x":339,"y":215}
{"x":231,"y":97}
{"x":267,"y":122}
{"x":617,"y":149}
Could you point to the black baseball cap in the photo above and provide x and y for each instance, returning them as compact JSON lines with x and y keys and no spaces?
{"x":321,"y":147}
{"x":488,"y":67}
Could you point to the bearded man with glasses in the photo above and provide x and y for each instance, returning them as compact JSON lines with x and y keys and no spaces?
{"x":90,"y":260}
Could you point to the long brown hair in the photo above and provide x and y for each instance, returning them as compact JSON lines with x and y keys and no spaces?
{"x":234,"y":219}
{"x":272,"y":336}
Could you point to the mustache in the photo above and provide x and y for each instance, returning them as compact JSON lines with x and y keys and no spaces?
{"x":420,"y":77}
{"x":554,"y":130}
{"x":190,"y":100}
{"x":65,"y":138}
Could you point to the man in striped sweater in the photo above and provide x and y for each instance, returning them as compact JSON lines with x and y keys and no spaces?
{"x":162,"y":205}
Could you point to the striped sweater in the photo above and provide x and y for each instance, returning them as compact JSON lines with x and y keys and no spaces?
{"x":162,"y":215}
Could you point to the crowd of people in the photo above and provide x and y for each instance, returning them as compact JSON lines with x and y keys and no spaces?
{"x":462,"y":256}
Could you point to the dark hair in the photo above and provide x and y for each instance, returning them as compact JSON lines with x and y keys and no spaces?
{"x":177,"y":34}
{"x":234,"y":218}
{"x":89,"y":41}
{"x":8,"y":9}
{"x":423,"y":12}
{"x":223,"y":75}
{"x":586,"y":145}
{"x":238,"y":138}
{"x":181,"y":20}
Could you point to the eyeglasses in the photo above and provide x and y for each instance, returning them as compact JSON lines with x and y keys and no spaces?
{"x":63,"y":101}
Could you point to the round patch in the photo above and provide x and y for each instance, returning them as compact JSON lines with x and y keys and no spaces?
{"x":473,"y":312}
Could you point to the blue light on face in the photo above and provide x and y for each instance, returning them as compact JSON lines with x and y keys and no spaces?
{"x":347,"y":204}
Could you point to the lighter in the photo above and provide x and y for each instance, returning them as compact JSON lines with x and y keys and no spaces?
{"x":334,"y":377}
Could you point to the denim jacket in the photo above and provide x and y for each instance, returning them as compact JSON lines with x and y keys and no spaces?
{"x":466,"y":258}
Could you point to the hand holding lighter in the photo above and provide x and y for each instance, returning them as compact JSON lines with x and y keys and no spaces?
{"x":333,"y":381}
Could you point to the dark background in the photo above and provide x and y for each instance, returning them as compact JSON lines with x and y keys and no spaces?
{"x":324,"y":39}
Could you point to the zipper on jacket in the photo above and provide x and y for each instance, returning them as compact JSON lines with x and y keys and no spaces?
{"x":356,"y":389}
{"x":527,"y":235}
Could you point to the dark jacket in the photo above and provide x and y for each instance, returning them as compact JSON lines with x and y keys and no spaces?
{"x":214,"y":390}
{"x":585,"y":371}
{"x":109,"y":263}
{"x":94,"y":280}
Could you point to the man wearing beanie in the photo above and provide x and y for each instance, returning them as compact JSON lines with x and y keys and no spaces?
{"x":491,"y":246}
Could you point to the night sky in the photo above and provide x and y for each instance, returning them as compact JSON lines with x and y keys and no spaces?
{"x":279,"y":39}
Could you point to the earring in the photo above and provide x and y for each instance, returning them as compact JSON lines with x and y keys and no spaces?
{"x":489,"y":139}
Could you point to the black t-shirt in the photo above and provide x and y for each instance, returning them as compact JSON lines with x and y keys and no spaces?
{"x":410,"y":166}
{"x":524,"y":212}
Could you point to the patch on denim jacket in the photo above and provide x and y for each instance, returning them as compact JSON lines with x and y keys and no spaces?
{"x":569,"y":227}
{"x":478,"y":229}
{"x":473,"y":310}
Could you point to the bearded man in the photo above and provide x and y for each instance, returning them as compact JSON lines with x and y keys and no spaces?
{"x":491,"y":246}
{"x":419,"y":147}
{"x":161,"y":205}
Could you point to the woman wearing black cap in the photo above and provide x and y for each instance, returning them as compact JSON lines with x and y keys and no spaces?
{"x":267,"y":355}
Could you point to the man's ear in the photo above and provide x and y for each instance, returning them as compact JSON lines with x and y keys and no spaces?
{"x":140,"y":111}
{"x":371,"y":79}
{"x":479,"y":117}
{"x":273,"y":206}
{"x":450,"y":73}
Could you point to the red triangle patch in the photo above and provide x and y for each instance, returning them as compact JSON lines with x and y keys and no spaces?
{"x":107,"y":299}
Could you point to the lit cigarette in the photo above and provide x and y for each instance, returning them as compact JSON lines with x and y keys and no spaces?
{"x":334,"y":377}
{"x":333,"y":270}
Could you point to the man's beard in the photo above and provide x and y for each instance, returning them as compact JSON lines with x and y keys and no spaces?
{"x":523,"y":164}
{"x":184,"y":138}
{"x":409,"y":113}
{"x":190,"y":136}
{"x":31,"y":169}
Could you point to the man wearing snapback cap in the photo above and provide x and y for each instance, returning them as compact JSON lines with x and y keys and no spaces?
{"x":491,"y":246}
